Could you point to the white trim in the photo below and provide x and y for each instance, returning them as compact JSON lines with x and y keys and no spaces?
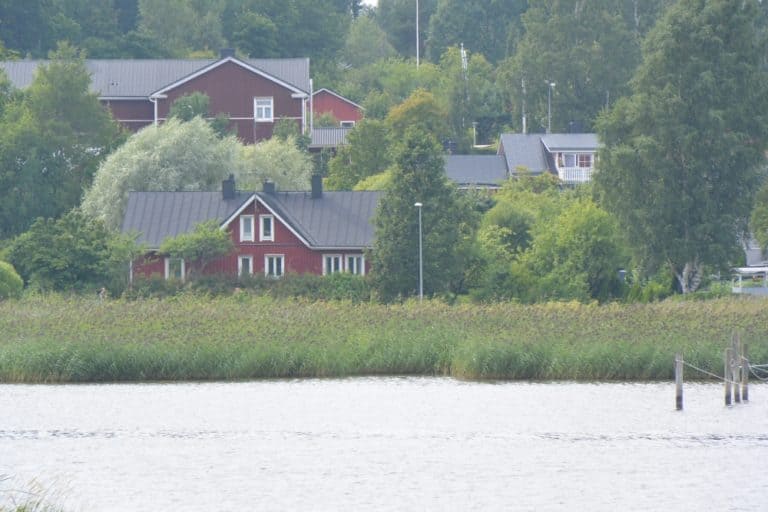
{"x":245,"y":237}
{"x":262,"y":236}
{"x":326,"y":270}
{"x":256,"y":107}
{"x":168,"y":268}
{"x":347,"y":124}
{"x":238,"y":211}
{"x":338,"y":96}
{"x":361,"y":270}
{"x":240,"y":259}
{"x":220,"y":62}
{"x":122,"y":98}
{"x":281,"y":257}
{"x":284,"y":223}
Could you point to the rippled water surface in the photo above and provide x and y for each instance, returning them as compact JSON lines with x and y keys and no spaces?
{"x":384,"y":444}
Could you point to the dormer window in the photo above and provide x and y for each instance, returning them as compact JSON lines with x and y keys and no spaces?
{"x":267,"y":231}
{"x":570,"y":160}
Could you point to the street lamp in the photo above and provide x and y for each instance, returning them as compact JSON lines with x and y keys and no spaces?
{"x":550,"y":86}
{"x":421,"y":257}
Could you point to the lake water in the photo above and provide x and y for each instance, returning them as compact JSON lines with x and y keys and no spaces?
{"x":384,"y":444}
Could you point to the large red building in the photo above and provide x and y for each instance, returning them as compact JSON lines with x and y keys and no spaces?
{"x":273,"y":232}
{"x":252,"y":93}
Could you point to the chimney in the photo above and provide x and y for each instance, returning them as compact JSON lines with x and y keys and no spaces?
{"x":269,"y":187}
{"x":317,"y":186}
{"x":228,"y":188}
{"x":226,"y":52}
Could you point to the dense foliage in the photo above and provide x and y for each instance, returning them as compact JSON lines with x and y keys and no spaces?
{"x":11,"y":284}
{"x":682,"y":153}
{"x":63,"y":339}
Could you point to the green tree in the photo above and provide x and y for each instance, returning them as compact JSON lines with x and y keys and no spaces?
{"x":172,"y":156}
{"x":276,"y":160}
{"x":203,"y":245}
{"x":367,"y":153}
{"x":418,"y":176}
{"x":11,"y":283}
{"x":183,"y":26}
{"x":421,"y":109}
{"x":73,"y":252}
{"x":190,"y":105}
{"x":590,"y":68}
{"x":680,"y":157}
{"x":365,"y":43}
{"x":758,"y":222}
{"x":398,"y":19}
{"x":52,"y":138}
{"x":483,"y":26}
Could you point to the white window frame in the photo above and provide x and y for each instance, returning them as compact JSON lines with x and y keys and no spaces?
{"x":355,"y":257}
{"x":327,"y":270}
{"x":281,"y":258}
{"x":167,"y":272}
{"x":245,"y":220}
{"x":242,"y":268}
{"x":264,"y":109}
{"x":346,"y":124}
{"x":271,"y":236}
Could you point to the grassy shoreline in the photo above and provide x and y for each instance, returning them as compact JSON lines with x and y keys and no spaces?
{"x":53,"y":338}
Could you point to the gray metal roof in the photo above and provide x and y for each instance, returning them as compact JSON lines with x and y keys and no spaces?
{"x":484,"y":170}
{"x":159,"y":215}
{"x":335,"y":220}
{"x":570,"y":141}
{"x":138,"y":78}
{"x":523,"y":150}
{"x":329,"y":137}
{"x":338,"y":219}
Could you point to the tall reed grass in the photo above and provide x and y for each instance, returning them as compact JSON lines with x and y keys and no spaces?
{"x":54,"y":338}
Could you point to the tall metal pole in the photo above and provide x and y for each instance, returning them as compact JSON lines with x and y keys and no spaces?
{"x":550,"y":85}
{"x":421,"y":257}
{"x":417,"y":33}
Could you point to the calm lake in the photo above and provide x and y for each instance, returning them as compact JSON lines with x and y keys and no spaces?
{"x":384,"y":444}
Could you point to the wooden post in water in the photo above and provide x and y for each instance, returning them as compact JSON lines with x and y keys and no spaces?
{"x":727,"y":375}
{"x":736,"y":367}
{"x":678,"y":382}
{"x":744,"y":373}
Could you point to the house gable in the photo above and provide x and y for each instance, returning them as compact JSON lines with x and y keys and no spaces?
{"x":344,"y":110}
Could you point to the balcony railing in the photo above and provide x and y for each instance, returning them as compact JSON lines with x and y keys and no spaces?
{"x":575,"y":174}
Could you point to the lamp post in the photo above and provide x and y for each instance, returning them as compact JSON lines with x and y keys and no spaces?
{"x":550,"y":86}
{"x":417,"y":33}
{"x":421,"y":257}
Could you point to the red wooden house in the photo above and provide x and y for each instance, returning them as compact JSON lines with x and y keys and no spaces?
{"x":346,"y":112}
{"x":273,"y":232}
{"x":253,"y":93}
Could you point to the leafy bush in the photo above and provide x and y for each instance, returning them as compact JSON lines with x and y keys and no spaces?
{"x":11,"y":283}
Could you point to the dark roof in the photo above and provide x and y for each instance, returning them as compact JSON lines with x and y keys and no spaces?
{"x":138,"y":78}
{"x":481,"y":170}
{"x":328,"y":137}
{"x":159,"y":215}
{"x":534,"y":151}
{"x":338,"y":219}
{"x":335,"y":220}
{"x":523,"y":150}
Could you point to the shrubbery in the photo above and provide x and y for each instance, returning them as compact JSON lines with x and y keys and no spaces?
{"x":11,"y":283}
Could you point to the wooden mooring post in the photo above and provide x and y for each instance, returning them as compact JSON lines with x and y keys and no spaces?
{"x":727,"y":374}
{"x":744,"y":373}
{"x":678,"y":382}
{"x":736,"y":367}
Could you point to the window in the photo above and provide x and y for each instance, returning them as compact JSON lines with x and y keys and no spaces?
{"x":267,"y":233}
{"x":585,"y":160}
{"x":246,"y":228}
{"x":356,"y":264}
{"x":331,"y":263}
{"x":347,"y":124}
{"x":262,"y":110}
{"x":244,"y":265}
{"x":273,"y":265}
{"x":174,"y":268}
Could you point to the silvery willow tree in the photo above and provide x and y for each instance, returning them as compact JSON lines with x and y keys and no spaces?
{"x":680,"y":160}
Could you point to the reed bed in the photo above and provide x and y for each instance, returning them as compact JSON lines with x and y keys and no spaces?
{"x":74,"y":339}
